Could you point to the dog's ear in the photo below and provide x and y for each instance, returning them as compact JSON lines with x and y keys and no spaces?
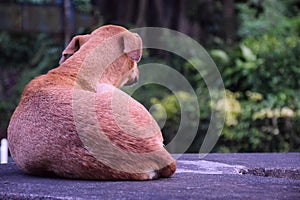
{"x":133,"y":46}
{"x":73,"y":46}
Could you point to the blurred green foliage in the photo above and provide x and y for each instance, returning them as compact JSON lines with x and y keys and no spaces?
{"x":262,"y":74}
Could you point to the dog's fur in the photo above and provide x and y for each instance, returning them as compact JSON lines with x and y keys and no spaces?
{"x":73,"y":122}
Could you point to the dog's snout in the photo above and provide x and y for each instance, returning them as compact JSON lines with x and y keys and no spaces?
{"x":132,"y":81}
{"x":133,"y":77}
{"x":135,"y":80}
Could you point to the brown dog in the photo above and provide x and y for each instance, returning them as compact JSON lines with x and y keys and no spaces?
{"x":73,"y":122}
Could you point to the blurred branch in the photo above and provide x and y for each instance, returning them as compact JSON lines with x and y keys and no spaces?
{"x":69,"y":24}
{"x":142,"y":13}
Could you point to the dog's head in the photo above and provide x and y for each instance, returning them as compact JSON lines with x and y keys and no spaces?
{"x":123,"y":70}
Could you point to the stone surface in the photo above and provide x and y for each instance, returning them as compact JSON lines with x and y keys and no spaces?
{"x":217,"y":176}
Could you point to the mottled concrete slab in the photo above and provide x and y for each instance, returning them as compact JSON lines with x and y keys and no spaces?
{"x":217,"y":176}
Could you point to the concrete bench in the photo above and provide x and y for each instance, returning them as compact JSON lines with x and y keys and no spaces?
{"x":217,"y":176}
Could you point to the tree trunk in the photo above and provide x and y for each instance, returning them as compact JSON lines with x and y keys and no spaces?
{"x":228,"y":25}
{"x":183,"y":22}
{"x":142,"y":13}
{"x":69,"y":24}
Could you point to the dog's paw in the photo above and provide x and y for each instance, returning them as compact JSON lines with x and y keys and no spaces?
{"x":153,"y":175}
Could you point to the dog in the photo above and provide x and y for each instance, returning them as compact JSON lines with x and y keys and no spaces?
{"x":74,"y":122}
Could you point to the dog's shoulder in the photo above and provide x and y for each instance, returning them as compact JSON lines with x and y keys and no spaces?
{"x":47,"y":84}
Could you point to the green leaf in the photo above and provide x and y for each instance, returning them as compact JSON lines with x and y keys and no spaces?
{"x":220,"y":54}
{"x":247,"y":53}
